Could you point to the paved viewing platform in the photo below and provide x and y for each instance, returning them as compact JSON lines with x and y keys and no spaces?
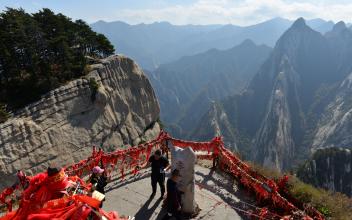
{"x":217,"y":195}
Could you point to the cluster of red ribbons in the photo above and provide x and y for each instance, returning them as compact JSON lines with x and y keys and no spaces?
{"x":77,"y":207}
{"x":4,"y":197}
{"x":134,"y":158}
{"x":46,"y":198}
{"x":266,"y":190}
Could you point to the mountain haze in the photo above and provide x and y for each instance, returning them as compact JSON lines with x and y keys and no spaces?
{"x":186,"y":87}
{"x":284,"y":108}
{"x":161,"y":42}
{"x":274,"y":106}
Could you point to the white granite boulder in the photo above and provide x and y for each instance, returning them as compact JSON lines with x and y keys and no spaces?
{"x":184,"y":160}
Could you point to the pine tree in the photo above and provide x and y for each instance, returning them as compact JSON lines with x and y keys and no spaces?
{"x":41,"y":51}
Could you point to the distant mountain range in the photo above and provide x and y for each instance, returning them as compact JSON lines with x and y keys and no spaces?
{"x":298,"y":101}
{"x":186,"y":87}
{"x":274,"y":106}
{"x":154,"y":44}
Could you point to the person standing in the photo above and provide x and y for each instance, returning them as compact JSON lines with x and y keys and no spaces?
{"x":173,"y":199}
{"x":159,"y":166}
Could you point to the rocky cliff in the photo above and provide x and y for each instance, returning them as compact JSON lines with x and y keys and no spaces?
{"x":112,"y":106}
{"x":329,"y":168}
{"x":298,"y":101}
{"x":187,"y":87}
{"x":334,"y":127}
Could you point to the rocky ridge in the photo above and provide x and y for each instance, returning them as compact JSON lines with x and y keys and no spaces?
{"x":112,"y":106}
{"x":186,"y":88}
{"x":329,"y":168}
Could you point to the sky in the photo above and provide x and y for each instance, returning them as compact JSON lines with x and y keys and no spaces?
{"x":239,"y":12}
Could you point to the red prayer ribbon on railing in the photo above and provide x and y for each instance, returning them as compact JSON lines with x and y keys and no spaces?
{"x":134,"y":158}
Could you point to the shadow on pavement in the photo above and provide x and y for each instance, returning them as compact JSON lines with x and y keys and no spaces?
{"x":144,"y":212}
{"x":228,"y":186}
{"x":128,"y":181}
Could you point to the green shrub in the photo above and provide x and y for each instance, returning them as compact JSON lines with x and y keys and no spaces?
{"x":162,"y":126}
{"x":331,"y":204}
{"x":4,"y":115}
{"x":325,"y":211}
{"x":94,"y":86}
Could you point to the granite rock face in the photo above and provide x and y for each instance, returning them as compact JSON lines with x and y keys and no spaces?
{"x":187,"y":87}
{"x":329,"y":168}
{"x":334,"y":127}
{"x":185,"y":160}
{"x":63,"y":126}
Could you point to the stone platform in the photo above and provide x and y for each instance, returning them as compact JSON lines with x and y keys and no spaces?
{"x":217,"y":196}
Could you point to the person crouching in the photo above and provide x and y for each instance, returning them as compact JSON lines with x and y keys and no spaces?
{"x":99,"y":181}
{"x":173,"y":198}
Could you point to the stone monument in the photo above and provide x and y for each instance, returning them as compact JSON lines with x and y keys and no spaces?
{"x":184,"y":160}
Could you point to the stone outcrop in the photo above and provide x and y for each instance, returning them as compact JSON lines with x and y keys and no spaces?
{"x":334,"y":127}
{"x":114,"y":105}
{"x":216,"y":123}
{"x":185,"y":160}
{"x":329,"y":168}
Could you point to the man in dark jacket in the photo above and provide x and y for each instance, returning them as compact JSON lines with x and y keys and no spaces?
{"x":159,"y":165}
{"x":173,"y":199}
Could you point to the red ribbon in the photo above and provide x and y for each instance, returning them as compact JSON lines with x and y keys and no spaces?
{"x":134,"y":157}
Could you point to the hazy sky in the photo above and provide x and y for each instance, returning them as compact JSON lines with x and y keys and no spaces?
{"x":242,"y":12}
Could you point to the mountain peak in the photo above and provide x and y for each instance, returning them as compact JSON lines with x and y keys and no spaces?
{"x":100,"y":22}
{"x":248,"y":42}
{"x":299,"y":23}
{"x":298,"y":30}
{"x":339,"y":26}
{"x":340,"y":31}
{"x":278,"y":20}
